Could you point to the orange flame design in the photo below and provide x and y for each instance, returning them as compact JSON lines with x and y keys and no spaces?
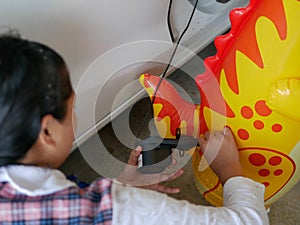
{"x":251,"y":85}
{"x":248,"y":73}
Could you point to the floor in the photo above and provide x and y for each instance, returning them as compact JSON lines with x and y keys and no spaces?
{"x":283,"y":212}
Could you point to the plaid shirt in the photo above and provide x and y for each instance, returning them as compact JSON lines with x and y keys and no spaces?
{"x":92,"y":205}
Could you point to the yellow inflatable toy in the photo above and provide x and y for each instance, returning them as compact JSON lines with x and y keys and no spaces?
{"x":251,"y":85}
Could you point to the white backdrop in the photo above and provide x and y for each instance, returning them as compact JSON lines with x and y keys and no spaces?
{"x":124,"y":34}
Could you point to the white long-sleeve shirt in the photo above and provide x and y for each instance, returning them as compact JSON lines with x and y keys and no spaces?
{"x":243,"y":204}
{"x":243,"y":201}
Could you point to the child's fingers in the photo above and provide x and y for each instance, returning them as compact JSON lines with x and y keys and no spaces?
{"x":227,"y":131}
{"x":138,"y":150}
{"x":164,"y":189}
{"x":167,"y":190}
{"x":134,"y":154}
{"x":207,"y":135}
{"x":175,"y":175}
{"x":202,"y":143}
{"x":174,"y":161}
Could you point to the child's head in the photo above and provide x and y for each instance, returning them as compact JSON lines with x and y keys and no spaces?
{"x":36,"y":101}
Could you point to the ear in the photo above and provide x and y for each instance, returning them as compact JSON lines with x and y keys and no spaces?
{"x":46,"y":135}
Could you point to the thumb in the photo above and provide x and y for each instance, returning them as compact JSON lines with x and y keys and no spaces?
{"x":134,"y":154}
{"x":227,"y":131}
{"x":202,"y":143}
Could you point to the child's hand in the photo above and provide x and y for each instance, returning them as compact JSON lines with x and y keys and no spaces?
{"x":221,"y":153}
{"x":132,"y":176}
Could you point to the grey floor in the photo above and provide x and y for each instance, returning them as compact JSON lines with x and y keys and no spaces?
{"x":285,"y":211}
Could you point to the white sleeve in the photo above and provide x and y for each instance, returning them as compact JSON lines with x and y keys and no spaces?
{"x":243,"y":204}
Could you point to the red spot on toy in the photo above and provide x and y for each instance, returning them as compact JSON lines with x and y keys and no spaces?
{"x":257,"y":159}
{"x":278,"y":172}
{"x":258,"y":124}
{"x":243,"y":134}
{"x":262,"y":109}
{"x":246,"y":112}
{"x":276,"y":128}
{"x":275,"y":160}
{"x":264,"y":172}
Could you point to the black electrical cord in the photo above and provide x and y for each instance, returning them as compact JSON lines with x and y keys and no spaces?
{"x":169,"y":21}
{"x":168,"y":65}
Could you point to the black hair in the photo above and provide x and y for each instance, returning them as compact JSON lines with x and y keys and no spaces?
{"x":34,"y":82}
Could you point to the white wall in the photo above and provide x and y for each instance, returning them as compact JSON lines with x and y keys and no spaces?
{"x":108,"y":44}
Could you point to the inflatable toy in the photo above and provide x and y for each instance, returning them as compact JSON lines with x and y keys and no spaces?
{"x":251,"y":85}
